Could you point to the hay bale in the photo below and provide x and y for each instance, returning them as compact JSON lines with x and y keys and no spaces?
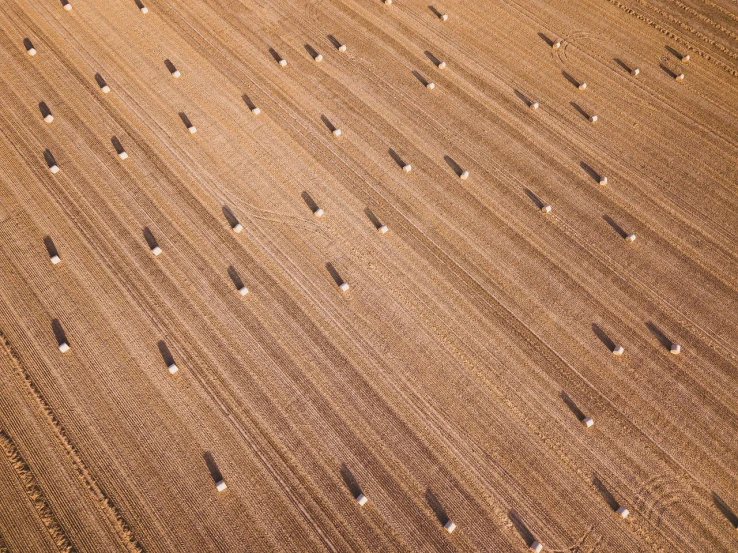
{"x":31,"y":51}
{"x":156,"y":250}
{"x":679,"y":77}
{"x":283,"y":62}
{"x":430,"y":86}
{"x":450,"y":526}
{"x":238,"y":227}
{"x":48,"y":118}
{"x":144,"y":10}
{"x":603,"y":181}
{"x":582,"y":86}
{"x":630,"y":238}
{"x":635,"y":72}
{"x":318,"y":58}
{"x":361,"y":499}
{"x":54,"y":169}
{"x":536,"y":547}
{"x":55,"y":259}
{"x":176,"y":74}
{"x":64,"y":347}
{"x":534,"y":105}
{"x":444,"y":17}
{"x":442,"y":65}
{"x":388,"y":2}
{"x":464,"y":175}
{"x":407,"y":168}
{"x":383,"y":229}
{"x":318,"y":212}
{"x":342,"y":48}
{"x":556,"y":45}
{"x":256,"y":111}
{"x":593,"y":119}
{"x":173,"y":368}
{"x":675,"y":349}
{"x":618,"y":351}
{"x":344,"y":287}
{"x":243,"y":290}
{"x":220,"y":485}
{"x":623,"y":512}
{"x":336,"y":132}
{"x":192,"y":129}
{"x":123,"y":155}
{"x":105,"y":89}
{"x":546,"y":209}
{"x":685,"y":58}
{"x":588,"y":422}
{"x":67,"y":6}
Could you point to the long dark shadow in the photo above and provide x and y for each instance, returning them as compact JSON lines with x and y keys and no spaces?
{"x":604,"y":338}
{"x":620,"y":230}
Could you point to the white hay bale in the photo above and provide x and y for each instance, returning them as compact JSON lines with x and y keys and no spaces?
{"x":156,"y":250}
{"x":342,"y":48}
{"x":344,"y":287}
{"x":630,"y":238}
{"x":220,"y":485}
{"x":283,"y":63}
{"x":123,"y":155}
{"x":55,"y":259}
{"x":318,"y":212}
{"x":582,"y":86}
{"x":534,"y":105}
{"x":256,"y":111}
{"x":618,"y":351}
{"x":430,"y":86}
{"x":536,"y":547}
{"x":68,"y":6}
{"x":176,"y":74}
{"x":31,"y":51}
{"x":48,"y":118}
{"x":685,"y":58}
{"x":556,"y":45}
{"x":623,"y":512}
{"x":464,"y":175}
{"x":144,"y":10}
{"x":388,"y":2}
{"x":173,"y":368}
{"x":546,"y":209}
{"x":444,"y":17}
{"x":192,"y":129}
{"x":54,"y":169}
{"x":635,"y":72}
{"x":593,"y":119}
{"x":383,"y":229}
{"x":407,"y":168}
{"x":442,"y":65}
{"x":105,"y":89}
{"x":238,"y":227}
{"x":318,"y":58}
{"x":336,"y":132}
{"x":450,"y":526}
{"x":64,"y":347}
{"x":588,"y":422}
{"x":243,"y":290}
{"x":603,"y":181}
{"x":679,"y":77}
{"x":361,"y":499}
{"x":675,"y":349}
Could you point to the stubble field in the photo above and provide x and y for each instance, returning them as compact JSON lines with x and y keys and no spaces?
{"x":451,"y":380}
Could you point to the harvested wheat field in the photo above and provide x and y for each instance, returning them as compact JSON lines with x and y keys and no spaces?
{"x":357,"y":275}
